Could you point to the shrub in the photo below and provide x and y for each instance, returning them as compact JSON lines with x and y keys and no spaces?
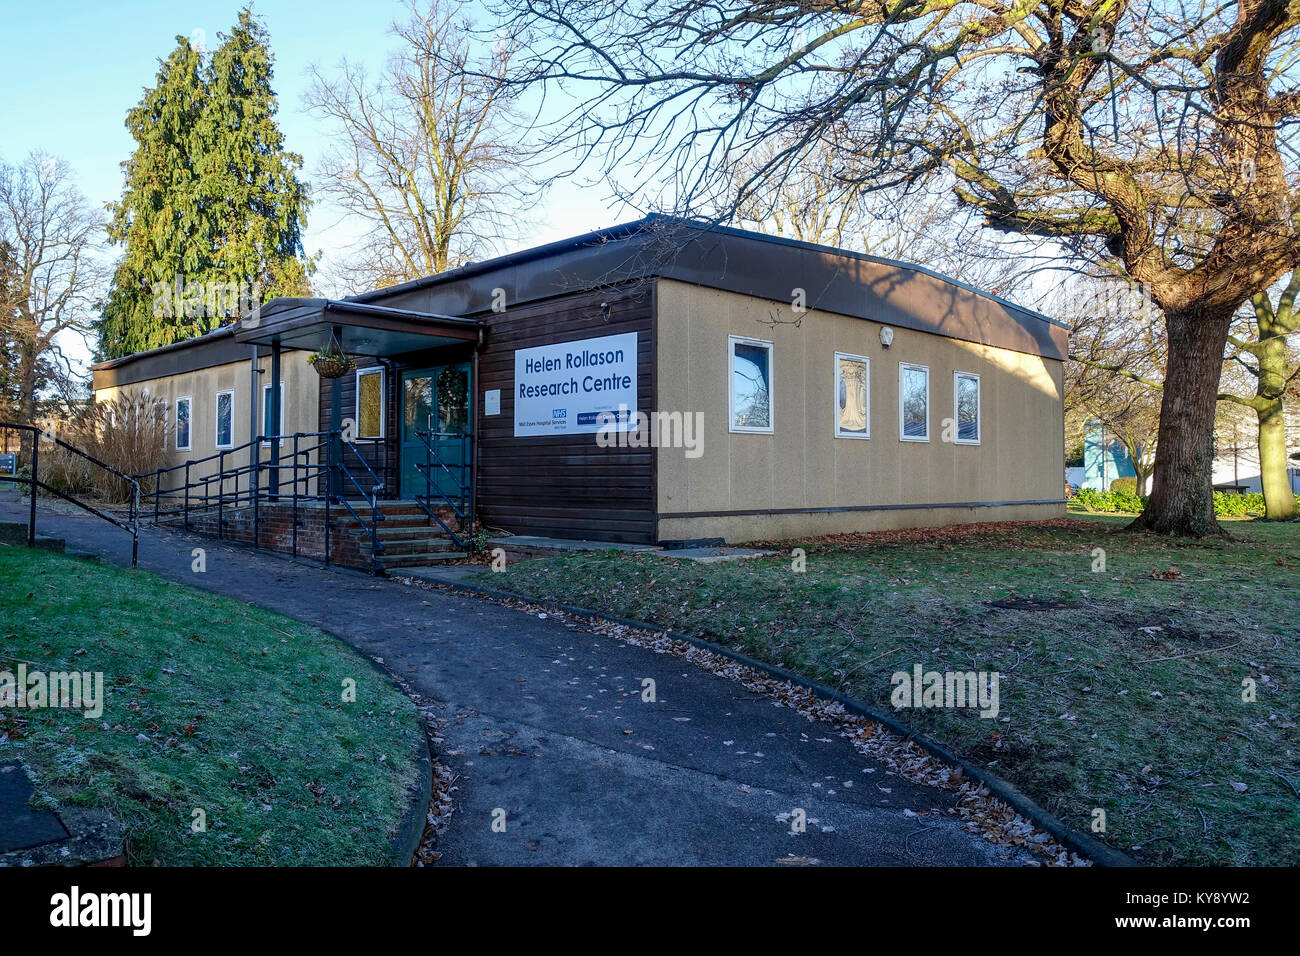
{"x":1128,"y":502}
{"x":1110,"y":501}
{"x":1229,"y":504}
{"x":1127,"y":485}
{"x":64,"y":471}
{"x":128,"y":433}
{"x":1093,"y":500}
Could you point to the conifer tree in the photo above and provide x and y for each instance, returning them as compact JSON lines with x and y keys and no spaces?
{"x":249,"y":181}
{"x":213,"y":210}
{"x":159,"y":219}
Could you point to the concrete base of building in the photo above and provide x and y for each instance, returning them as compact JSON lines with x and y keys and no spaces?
{"x":780,"y":525}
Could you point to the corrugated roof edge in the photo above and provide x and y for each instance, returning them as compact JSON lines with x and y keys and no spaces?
{"x":628,"y":229}
{"x":204,"y":339}
{"x":610,"y":233}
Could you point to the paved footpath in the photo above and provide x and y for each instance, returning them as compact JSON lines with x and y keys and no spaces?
{"x":545,"y":721}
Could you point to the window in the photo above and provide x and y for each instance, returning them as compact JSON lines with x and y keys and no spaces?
{"x":370,"y":403}
{"x":966,"y":389}
{"x":183,"y":406}
{"x":852,"y":405}
{"x":268,"y":427}
{"x":225,"y":419}
{"x":751,"y":385}
{"x":913,"y":402}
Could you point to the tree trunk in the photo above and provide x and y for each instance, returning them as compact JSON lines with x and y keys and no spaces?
{"x":1182,"y":494}
{"x":27,"y":385}
{"x":1141,"y":474}
{"x":1279,"y":501}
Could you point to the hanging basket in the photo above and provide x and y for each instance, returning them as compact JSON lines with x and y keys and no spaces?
{"x":331,"y":361}
{"x":333,"y":366}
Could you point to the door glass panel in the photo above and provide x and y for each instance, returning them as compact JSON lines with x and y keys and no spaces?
{"x":417,"y":405}
{"x":435,"y":399}
{"x":453,"y":399}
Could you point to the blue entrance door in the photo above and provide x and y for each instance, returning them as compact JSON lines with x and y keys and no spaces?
{"x":436,"y":401}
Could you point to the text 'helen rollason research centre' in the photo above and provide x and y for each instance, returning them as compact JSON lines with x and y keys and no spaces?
{"x":790,"y":389}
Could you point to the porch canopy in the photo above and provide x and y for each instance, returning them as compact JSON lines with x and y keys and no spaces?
{"x":359,"y":329}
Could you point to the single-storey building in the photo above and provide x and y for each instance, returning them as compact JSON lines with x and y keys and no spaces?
{"x":655,"y":381}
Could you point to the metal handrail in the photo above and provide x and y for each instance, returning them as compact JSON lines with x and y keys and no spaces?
{"x":132,"y":523}
{"x":465,"y":511}
{"x":304,"y":472}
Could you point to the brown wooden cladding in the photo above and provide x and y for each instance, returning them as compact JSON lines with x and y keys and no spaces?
{"x":565,"y":485}
{"x":379,"y":455}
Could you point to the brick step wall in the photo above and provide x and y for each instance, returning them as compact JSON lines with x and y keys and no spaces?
{"x":408,"y":536}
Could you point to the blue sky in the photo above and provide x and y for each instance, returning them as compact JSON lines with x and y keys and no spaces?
{"x":71,"y":72}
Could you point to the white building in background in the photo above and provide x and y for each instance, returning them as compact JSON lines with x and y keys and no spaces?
{"x":1236,"y":456}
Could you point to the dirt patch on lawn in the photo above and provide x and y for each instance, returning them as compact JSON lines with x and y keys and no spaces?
{"x":1158,"y":629}
{"x":999,"y":535}
{"x":1030,"y":604}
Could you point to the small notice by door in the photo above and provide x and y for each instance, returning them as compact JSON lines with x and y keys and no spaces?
{"x":492,"y":402}
{"x":576,"y":387}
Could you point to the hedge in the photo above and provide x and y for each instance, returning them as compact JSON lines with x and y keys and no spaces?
{"x":1120,"y":501}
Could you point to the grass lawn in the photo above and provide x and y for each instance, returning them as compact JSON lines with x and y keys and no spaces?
{"x":1119,"y":690}
{"x":209,"y":704}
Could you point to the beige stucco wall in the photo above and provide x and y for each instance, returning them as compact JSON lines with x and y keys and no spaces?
{"x":803,"y":465}
{"x":301,"y":405}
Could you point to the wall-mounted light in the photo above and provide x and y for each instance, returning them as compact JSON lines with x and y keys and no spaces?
{"x":886,"y":336}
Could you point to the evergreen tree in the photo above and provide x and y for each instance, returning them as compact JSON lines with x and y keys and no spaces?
{"x":160,"y":220}
{"x":250,"y":183}
{"x":213,"y":211}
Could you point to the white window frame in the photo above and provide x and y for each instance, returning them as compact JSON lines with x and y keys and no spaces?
{"x":732,"y":342}
{"x":266,"y":387}
{"x":216,"y":419}
{"x":902,"y":404}
{"x":189,"y":421}
{"x":979,"y":408}
{"x":835,"y":397}
{"x":383,"y":401}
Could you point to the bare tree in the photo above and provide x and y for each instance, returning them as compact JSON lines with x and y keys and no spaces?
{"x":428,"y":157}
{"x":49,"y":237}
{"x":1157,"y":135}
{"x":923,"y":225}
{"x":1114,"y":376}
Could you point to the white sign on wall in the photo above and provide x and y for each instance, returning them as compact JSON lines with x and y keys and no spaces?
{"x":563,"y":389}
{"x":492,"y":402}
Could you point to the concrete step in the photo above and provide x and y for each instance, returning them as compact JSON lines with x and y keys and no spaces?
{"x":394,"y":508}
{"x":421,"y":520}
{"x":414,"y":546}
{"x":419,"y":559}
{"x":15,"y":532}
{"x":420,"y":533}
